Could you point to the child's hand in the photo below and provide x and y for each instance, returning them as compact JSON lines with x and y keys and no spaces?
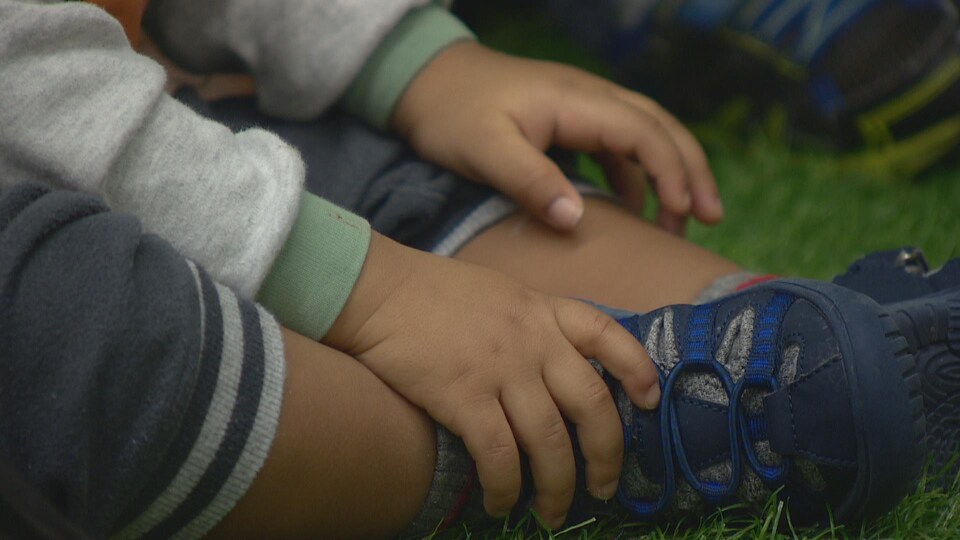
{"x":490,"y":116}
{"x":497,"y":363}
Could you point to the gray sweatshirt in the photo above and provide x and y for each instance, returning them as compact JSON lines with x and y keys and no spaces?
{"x":138,"y":396}
{"x":80,"y":109}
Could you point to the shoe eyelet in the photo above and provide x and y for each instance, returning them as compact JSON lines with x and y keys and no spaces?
{"x":912,"y":261}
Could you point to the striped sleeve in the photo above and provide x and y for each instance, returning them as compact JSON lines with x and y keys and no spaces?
{"x":139,"y":396}
{"x":231,"y":420}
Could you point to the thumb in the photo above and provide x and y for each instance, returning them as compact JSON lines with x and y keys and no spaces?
{"x":510,"y":164}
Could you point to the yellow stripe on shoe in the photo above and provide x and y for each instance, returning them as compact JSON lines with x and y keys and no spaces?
{"x":875,"y":125}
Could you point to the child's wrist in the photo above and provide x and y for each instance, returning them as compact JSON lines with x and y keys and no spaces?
{"x":317,"y":268}
{"x":386,"y":267}
{"x":436,"y":83}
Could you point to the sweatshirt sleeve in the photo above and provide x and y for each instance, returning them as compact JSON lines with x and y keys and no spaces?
{"x":410,"y":46}
{"x":146,"y":395}
{"x":82,"y":110}
{"x":307,"y":287}
{"x":303,"y":53}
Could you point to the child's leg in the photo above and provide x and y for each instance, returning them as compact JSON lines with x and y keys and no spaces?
{"x":613,"y":258}
{"x":351,"y":458}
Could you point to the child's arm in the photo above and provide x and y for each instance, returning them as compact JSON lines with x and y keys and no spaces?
{"x":497,"y":363}
{"x":490,"y":117}
{"x":81,"y":110}
{"x":485,"y":115}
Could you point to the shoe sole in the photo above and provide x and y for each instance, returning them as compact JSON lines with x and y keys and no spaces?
{"x":886,"y":400}
{"x":931,"y":326}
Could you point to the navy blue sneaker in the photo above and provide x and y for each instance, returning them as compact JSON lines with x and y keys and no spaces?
{"x":926,"y":308}
{"x":800,"y":389}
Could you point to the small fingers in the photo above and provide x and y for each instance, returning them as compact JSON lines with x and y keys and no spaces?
{"x":597,"y":335}
{"x":489,"y":440}
{"x":543,"y":435}
{"x":629,"y":181}
{"x":604,"y":123}
{"x":705,"y":196}
{"x":508,"y":162}
{"x":672,"y":223}
{"x":584,"y":398}
{"x":627,"y":178}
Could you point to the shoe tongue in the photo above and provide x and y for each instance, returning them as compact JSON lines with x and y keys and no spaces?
{"x":700,"y":401}
{"x":796,"y":359}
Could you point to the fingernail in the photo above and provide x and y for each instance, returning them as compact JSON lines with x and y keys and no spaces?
{"x":606,"y":492}
{"x":564,"y":212}
{"x":498,"y":514}
{"x":653,"y":397}
{"x":687,"y":199}
{"x":718,"y":202}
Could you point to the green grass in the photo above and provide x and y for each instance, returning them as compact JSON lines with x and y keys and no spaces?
{"x":790,"y":212}
{"x":796,"y":213}
{"x":924,"y":515}
{"x":799,"y":213}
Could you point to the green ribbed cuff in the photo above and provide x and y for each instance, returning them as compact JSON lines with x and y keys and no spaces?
{"x":410,"y":46}
{"x":317,"y":268}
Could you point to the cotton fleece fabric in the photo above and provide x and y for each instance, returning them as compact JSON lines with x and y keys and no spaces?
{"x":138,"y":395}
{"x":81,"y":110}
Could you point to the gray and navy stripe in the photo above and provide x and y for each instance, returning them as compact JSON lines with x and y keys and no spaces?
{"x":233,"y":412}
{"x":136,"y":395}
